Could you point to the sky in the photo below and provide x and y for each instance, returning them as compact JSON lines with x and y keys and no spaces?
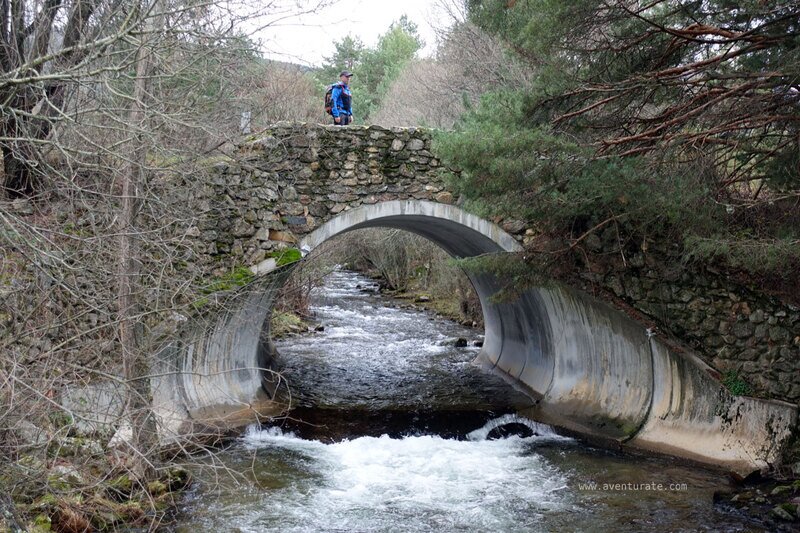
{"x":309,"y":39}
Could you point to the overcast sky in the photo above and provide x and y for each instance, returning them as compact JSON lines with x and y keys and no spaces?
{"x":309,"y":40}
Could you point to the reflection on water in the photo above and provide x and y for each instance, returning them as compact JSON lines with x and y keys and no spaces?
{"x":449,"y":460}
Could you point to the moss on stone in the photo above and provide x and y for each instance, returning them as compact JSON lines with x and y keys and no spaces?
{"x":238,"y":277}
{"x":121,"y":486}
{"x":41,"y":523}
{"x":284,"y":323}
{"x":176,"y":478}
{"x":285,"y":257}
{"x":157,"y":488}
{"x":735,"y":383}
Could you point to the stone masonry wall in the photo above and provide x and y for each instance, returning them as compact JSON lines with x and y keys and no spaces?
{"x":287,"y":181}
{"x":734,"y":328}
{"x":291,"y":179}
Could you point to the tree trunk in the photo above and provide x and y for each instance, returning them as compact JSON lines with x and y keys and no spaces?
{"x":135,"y":358}
{"x":18,"y":180}
{"x":31,"y":114}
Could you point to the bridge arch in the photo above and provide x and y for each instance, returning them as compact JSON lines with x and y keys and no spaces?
{"x":459,"y":233}
{"x":591,"y":369}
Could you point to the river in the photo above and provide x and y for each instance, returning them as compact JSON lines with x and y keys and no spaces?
{"x":394,"y":429}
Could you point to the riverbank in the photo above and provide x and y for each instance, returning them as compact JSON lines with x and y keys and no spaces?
{"x":463,"y":309}
{"x":775,"y":502}
{"x":451,"y":306}
{"x":83,"y":484}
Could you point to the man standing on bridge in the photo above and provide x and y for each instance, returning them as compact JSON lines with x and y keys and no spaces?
{"x":342,"y":100}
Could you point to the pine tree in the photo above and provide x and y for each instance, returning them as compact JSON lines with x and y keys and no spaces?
{"x":666,"y":114}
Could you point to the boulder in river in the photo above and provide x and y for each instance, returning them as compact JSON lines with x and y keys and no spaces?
{"x":783,"y":513}
{"x":461,"y":342}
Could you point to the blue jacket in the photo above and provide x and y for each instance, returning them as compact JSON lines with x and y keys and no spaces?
{"x":342,"y":100}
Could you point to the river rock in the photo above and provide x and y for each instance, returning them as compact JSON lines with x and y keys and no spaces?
{"x":779,"y":512}
{"x":780,"y":489}
{"x":461,"y":342}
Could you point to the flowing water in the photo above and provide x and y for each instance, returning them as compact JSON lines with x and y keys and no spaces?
{"x":395,"y":430}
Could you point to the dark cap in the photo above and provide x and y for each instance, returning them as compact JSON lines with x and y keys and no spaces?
{"x":345,"y":73}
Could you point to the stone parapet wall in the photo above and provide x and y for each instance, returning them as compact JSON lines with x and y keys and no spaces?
{"x":287,"y":181}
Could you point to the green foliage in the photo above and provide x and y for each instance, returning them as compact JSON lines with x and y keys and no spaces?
{"x":287,"y":256}
{"x":238,"y":277}
{"x":735,"y":383}
{"x":747,"y":253}
{"x":632,"y":120}
{"x":512,"y":270}
{"x":539,"y":175}
{"x":347,"y":55}
{"x":375,"y":68}
{"x":60,"y":419}
{"x":285,"y":323}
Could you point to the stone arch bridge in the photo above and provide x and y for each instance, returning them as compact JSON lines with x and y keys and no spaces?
{"x":590,"y":368}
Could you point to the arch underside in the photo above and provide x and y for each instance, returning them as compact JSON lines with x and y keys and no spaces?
{"x":590,"y":368}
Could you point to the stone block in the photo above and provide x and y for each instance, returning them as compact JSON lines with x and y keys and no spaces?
{"x":743,"y":329}
{"x":407,"y":171}
{"x":415,"y":145}
{"x":777,"y":333}
{"x":444,"y":197}
{"x":342,"y":197}
{"x":282,"y":236}
{"x":514,"y":226}
{"x":296,"y":220}
{"x":243,"y":229}
{"x":289,"y":193}
{"x":262,"y":234}
{"x":757,"y":316}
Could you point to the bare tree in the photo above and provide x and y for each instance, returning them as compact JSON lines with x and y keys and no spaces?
{"x":134,"y":358}
{"x":103,"y":139}
{"x":436,"y":92}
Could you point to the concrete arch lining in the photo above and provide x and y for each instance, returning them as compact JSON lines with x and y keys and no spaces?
{"x":509,"y":331}
{"x":459,"y":233}
{"x":591,"y":368}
